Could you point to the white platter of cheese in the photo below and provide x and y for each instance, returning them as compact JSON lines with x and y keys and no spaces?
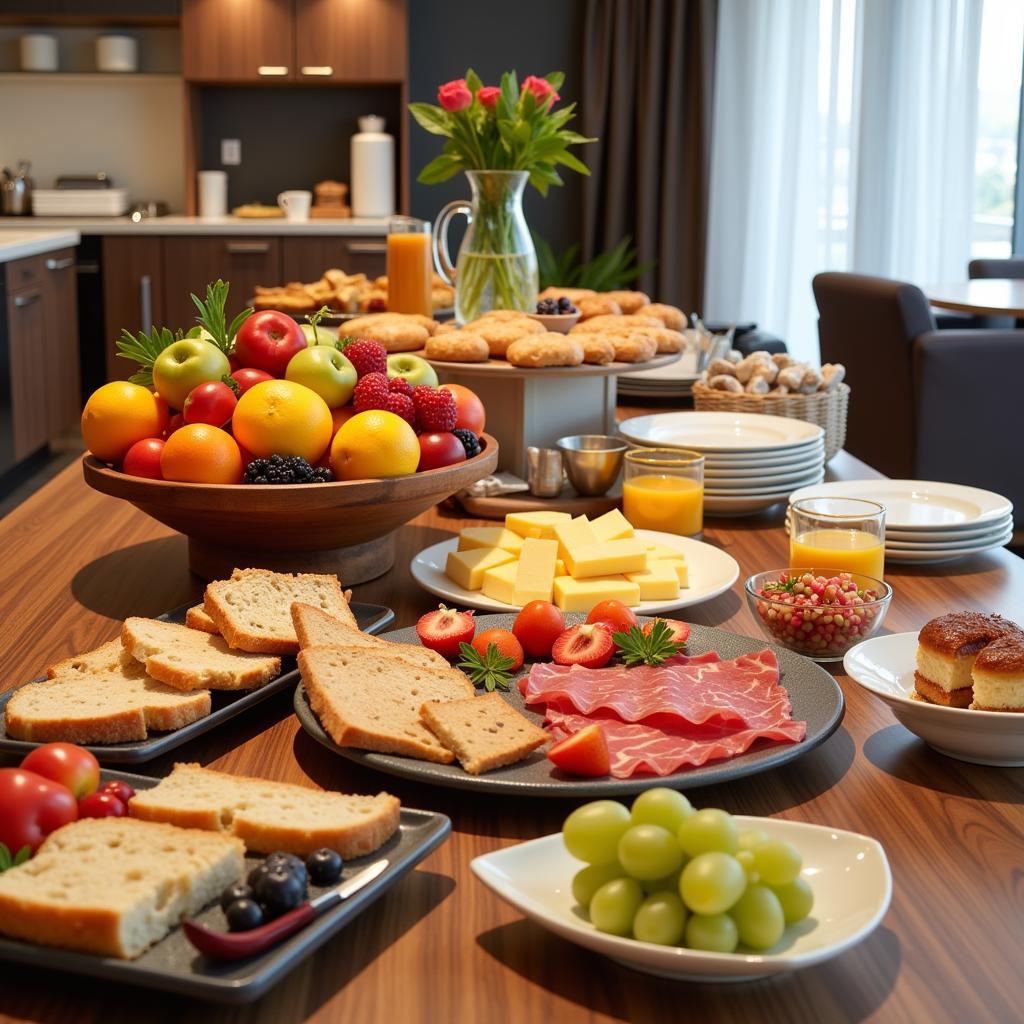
{"x":574,"y":562}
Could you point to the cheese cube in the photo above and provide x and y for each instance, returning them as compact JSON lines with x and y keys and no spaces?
{"x":500,"y":583}
{"x":573,"y":535}
{"x":536,"y":574}
{"x":560,"y":569}
{"x":467,"y":568}
{"x":581,"y":595}
{"x":608,"y":559}
{"x":681,"y":569}
{"x":664,"y":553}
{"x":490,"y":537}
{"x":658,"y":582}
{"x":612,"y":525}
{"x":535,"y":524}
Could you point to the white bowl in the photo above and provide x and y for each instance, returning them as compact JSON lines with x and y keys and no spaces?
{"x":885,"y":666}
{"x":848,"y":872}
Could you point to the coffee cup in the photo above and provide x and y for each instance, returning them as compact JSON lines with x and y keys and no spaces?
{"x":295,"y":204}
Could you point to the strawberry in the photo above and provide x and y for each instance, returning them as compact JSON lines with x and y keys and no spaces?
{"x":442,"y":631}
{"x":679,"y":632}
{"x":366,"y":355}
{"x":401,"y":385}
{"x":583,"y":753}
{"x":371,"y":392}
{"x":401,"y":405}
{"x":589,"y":645}
{"x":436,"y":411}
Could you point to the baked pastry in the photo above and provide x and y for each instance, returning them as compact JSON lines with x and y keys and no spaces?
{"x":572,"y":294}
{"x":548,"y":349}
{"x":671,"y":316}
{"x":501,"y":315}
{"x":600,"y":323}
{"x":998,"y":675}
{"x":457,"y":347}
{"x":597,"y":348}
{"x":397,"y":332}
{"x":630,"y":302}
{"x":946,"y":651}
{"x":667,"y":340}
{"x":598,"y":305}
{"x":631,"y":345}
{"x":500,"y":333}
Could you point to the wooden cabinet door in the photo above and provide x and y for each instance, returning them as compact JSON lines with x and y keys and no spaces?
{"x":306,"y":259}
{"x":30,"y":369}
{"x":351,"y":40}
{"x":60,"y":315}
{"x":133,"y":297}
{"x":231,"y":41}
{"x":191,"y":263}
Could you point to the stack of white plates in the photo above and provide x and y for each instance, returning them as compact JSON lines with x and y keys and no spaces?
{"x":926,"y":521}
{"x":751,"y":462}
{"x":674,"y":380}
{"x":80,"y":202}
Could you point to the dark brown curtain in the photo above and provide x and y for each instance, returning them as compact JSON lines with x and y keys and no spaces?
{"x":648,"y":70}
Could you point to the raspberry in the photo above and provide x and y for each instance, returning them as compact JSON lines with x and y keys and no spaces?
{"x":365,"y":355}
{"x":435,"y":409}
{"x":469,"y":441}
{"x":400,"y":385}
{"x":401,"y":405}
{"x":371,"y":392}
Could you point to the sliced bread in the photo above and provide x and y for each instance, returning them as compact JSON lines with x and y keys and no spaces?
{"x":110,"y":657}
{"x":198,"y":618}
{"x":371,"y":698}
{"x":269,"y":816}
{"x":483,"y":732}
{"x":252,"y":610}
{"x":188,"y":659}
{"x":114,"y":886}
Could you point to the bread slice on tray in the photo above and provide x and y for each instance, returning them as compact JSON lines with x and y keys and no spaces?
{"x":198,"y":618}
{"x":188,"y":659}
{"x":114,"y":886}
{"x":269,"y":816}
{"x":483,"y":732}
{"x":252,"y":610}
{"x":370,"y":698}
{"x":109,"y":657}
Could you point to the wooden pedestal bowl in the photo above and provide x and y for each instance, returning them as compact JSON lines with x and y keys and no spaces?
{"x":346,"y":527}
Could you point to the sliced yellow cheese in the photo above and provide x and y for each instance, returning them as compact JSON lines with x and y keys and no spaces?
{"x":573,"y":535}
{"x":612,"y":525}
{"x":536,"y":574}
{"x":500,"y":583}
{"x":467,"y":568}
{"x":664,"y":553}
{"x":581,"y":595}
{"x":608,"y":559}
{"x":490,"y":537}
{"x":681,"y":569}
{"x":658,"y":582}
{"x":535,"y":524}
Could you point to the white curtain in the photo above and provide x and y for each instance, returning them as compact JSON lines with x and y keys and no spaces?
{"x":843,"y":139}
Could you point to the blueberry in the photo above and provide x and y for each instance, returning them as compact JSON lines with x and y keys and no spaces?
{"x":279,"y":891}
{"x":238,"y":891}
{"x":324,"y":866}
{"x":243,"y":914}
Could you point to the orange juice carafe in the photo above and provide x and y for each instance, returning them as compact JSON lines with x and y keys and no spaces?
{"x":664,"y":490}
{"x":409,"y":267}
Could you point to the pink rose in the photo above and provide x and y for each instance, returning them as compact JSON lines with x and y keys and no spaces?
{"x":488,"y":96}
{"x":454,"y":96}
{"x":541,"y":90}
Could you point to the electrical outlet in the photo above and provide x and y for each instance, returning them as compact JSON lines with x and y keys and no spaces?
{"x":230,"y":152}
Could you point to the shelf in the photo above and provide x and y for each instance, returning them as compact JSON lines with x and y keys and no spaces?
{"x":90,"y":76}
{"x":91,"y":20}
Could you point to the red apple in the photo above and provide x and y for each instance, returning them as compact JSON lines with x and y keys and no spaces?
{"x":246,"y":377}
{"x":437,"y":450}
{"x":268,"y":340}
{"x":66,"y":763}
{"x":143,"y":459}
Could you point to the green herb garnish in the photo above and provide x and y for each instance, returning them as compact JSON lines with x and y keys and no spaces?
{"x":640,"y":648}
{"x":144,"y":347}
{"x":492,"y":668}
{"x":7,"y":861}
{"x":786,"y":586}
{"x":213,"y":318}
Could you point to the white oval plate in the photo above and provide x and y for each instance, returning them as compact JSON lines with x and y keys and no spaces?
{"x":849,"y":874}
{"x":802,"y":465}
{"x":712,"y":572}
{"x":752,"y":460}
{"x":766,"y":485}
{"x":935,"y":556}
{"x":965,"y":535}
{"x":979,"y":542}
{"x":720,"y":431}
{"x":716,"y":503}
{"x":884,"y":665}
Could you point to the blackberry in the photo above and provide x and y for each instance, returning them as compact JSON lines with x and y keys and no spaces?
{"x":469,"y":441}
{"x":285,"y":469}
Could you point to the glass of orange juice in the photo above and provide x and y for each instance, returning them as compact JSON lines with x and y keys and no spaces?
{"x":838,"y":533}
{"x":664,"y":490}
{"x":409,"y":266}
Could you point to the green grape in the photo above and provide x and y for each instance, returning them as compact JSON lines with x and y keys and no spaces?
{"x":615,"y":905}
{"x":670,"y":883}
{"x":746,"y":858}
{"x":588,"y":880}
{"x":661,"y":806}
{"x":592,"y":832}
{"x":751,"y":837}
{"x":660,"y":919}
{"x":712,"y":882}
{"x":649,"y":852}
{"x":714,"y":933}
{"x":796,"y":899}
{"x":777,"y":862}
{"x":759,"y":918}
{"x":707,"y":830}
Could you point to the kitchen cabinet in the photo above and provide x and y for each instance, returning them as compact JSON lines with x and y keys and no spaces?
{"x":351,"y":40}
{"x":228,"y":41}
{"x":305,"y":259}
{"x":60,"y":314}
{"x":133,"y":295}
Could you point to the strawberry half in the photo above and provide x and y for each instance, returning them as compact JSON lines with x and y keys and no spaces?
{"x":583,"y":753}
{"x":589,"y":645}
{"x":442,"y":631}
{"x":680,"y":630}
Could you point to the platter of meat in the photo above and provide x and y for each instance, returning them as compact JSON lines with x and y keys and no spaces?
{"x":729,"y":707}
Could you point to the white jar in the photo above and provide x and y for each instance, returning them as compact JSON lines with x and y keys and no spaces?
{"x":38,"y":52}
{"x":373,"y":169}
{"x":117,"y":53}
{"x":213,"y":193}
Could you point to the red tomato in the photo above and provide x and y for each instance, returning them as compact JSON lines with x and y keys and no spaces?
{"x":247,"y":377}
{"x":615,"y":612}
{"x":678,"y":631}
{"x":268,"y":340}
{"x":121,"y":790}
{"x":143,"y":459}
{"x":212,"y":403}
{"x":469,"y":410}
{"x":31,"y":807}
{"x":101,"y":805}
{"x":507,"y":644}
{"x":583,"y":753}
{"x":537,"y":627}
{"x":67,"y":764}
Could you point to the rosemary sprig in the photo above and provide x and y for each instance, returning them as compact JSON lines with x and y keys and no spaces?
{"x":490,"y":669}
{"x":213,"y":316}
{"x":144,"y":348}
{"x":639,"y":648}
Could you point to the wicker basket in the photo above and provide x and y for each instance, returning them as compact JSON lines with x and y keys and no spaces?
{"x":826,"y":408}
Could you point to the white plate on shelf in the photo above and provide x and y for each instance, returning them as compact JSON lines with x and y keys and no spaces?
{"x":884,"y":665}
{"x":684,"y":370}
{"x":766,"y":484}
{"x":933,"y":556}
{"x":752,"y":460}
{"x":849,"y":874}
{"x":983,"y":540}
{"x":719,"y":470}
{"x":712,"y":572}
{"x":720,"y":431}
{"x":967,"y":534}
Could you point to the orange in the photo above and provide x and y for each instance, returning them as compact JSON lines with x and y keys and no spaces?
{"x":117,"y":415}
{"x":374,"y":444}
{"x":201,"y":454}
{"x":280,"y":417}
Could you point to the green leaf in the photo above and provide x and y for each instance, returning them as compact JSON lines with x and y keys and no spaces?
{"x":441,"y":168}
{"x":434,"y":119}
{"x":7,"y":861}
{"x":568,"y":160}
{"x":654,"y":648}
{"x":555,"y":79}
{"x":491,"y":669}
{"x":473,"y":82}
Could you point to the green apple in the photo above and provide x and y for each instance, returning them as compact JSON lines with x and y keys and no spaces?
{"x":415,"y":369}
{"x":184,"y":365}
{"x":325,"y":371}
{"x":320,"y":336}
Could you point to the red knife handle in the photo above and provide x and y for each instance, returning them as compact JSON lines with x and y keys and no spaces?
{"x":238,"y":945}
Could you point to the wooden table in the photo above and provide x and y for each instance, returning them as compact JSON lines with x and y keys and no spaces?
{"x":441,"y":948}
{"x":995,"y":296}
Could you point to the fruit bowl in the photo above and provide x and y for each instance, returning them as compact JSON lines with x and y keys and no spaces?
{"x":344,"y":527}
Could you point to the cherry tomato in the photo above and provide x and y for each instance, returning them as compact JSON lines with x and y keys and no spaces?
{"x":121,"y":790}
{"x":212,"y":403}
{"x":615,"y":612}
{"x":247,"y":377}
{"x":507,"y":644}
{"x":143,"y":459}
{"x":537,"y":627}
{"x":101,"y":805}
{"x":31,"y":807}
{"x":70,"y":765}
